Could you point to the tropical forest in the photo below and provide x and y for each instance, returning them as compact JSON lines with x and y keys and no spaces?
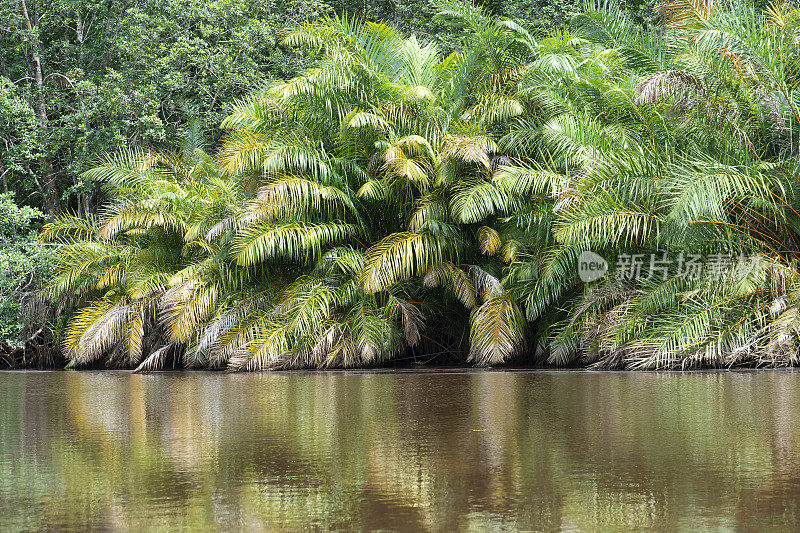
{"x":280,"y":184}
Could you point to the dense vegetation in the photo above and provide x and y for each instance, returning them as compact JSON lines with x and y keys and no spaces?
{"x":83,"y":77}
{"x":26,"y":265}
{"x":413,"y":198}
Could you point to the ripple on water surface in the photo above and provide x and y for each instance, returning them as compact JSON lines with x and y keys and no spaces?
{"x":577,"y":451}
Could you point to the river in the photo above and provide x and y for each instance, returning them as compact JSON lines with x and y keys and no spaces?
{"x":400,"y":450}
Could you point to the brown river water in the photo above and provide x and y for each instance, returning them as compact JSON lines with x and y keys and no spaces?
{"x":400,"y":450}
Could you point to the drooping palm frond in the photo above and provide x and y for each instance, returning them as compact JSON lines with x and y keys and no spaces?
{"x":455,"y":279}
{"x":476,"y":200}
{"x":293,"y":240}
{"x":401,"y":256}
{"x":498,"y":330}
{"x":66,"y":227}
{"x":103,"y":326}
{"x":123,"y":172}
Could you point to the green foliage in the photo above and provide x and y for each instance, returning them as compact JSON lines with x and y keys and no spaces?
{"x":676,"y":142}
{"x":25,"y":263}
{"x":395,"y":197}
{"x":116,"y":75}
{"x":306,"y":242}
{"x":19,"y":134}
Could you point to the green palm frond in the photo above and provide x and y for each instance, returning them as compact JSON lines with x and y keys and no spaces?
{"x":297,"y":241}
{"x":65,"y":227}
{"x":476,"y":200}
{"x":401,"y":256}
{"x":123,"y":172}
{"x":101,"y":326}
{"x":497,"y":330}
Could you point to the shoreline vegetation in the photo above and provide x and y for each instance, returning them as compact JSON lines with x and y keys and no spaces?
{"x":612,"y":194}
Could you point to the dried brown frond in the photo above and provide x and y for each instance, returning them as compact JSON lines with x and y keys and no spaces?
{"x":686,"y":14}
{"x":683,"y":88}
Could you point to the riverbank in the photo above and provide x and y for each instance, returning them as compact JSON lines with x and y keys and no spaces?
{"x":34,"y":354}
{"x":38,"y":358}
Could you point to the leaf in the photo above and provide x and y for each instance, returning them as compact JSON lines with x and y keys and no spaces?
{"x":497,"y":331}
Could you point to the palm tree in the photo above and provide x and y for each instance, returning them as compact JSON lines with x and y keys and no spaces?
{"x":341,"y":214}
{"x":678,"y":142}
{"x":371,"y":163}
{"x":116,"y":268}
{"x":397,"y":202}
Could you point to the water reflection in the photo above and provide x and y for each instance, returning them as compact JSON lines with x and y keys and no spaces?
{"x":408,"y":451}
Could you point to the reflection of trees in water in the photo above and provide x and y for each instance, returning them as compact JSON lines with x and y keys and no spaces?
{"x":544,"y":450}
